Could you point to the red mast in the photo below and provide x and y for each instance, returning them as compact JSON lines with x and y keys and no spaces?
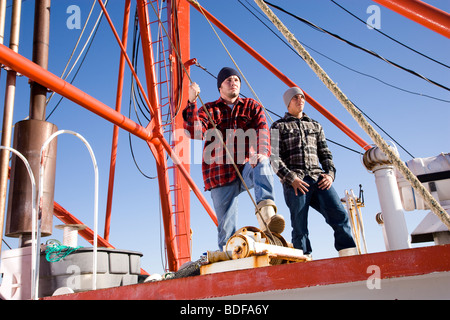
{"x":175,"y":202}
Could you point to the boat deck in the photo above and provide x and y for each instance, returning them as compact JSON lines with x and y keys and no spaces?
{"x":418,"y":273}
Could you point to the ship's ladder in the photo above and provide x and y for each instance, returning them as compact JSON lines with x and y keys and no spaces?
{"x":169,"y":106}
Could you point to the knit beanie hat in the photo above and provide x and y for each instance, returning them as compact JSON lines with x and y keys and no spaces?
{"x":225,"y":73}
{"x":290,"y":93}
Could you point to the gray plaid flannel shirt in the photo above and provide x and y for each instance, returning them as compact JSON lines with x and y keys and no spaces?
{"x":299,"y":149}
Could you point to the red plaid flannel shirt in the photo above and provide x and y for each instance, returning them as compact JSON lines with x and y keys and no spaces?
{"x":244,"y":130}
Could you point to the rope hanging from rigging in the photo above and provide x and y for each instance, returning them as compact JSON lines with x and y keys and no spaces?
{"x":228,"y":154}
{"x":231,"y":57}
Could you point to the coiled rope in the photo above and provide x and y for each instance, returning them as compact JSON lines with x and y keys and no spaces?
{"x":56,"y":251}
{"x":434,"y":205}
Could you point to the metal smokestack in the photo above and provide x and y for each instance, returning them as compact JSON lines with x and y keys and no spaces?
{"x":29,"y":136}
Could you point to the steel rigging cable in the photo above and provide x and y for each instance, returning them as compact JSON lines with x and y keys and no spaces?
{"x":389,"y":37}
{"x":376,"y":124}
{"x":133,"y":97}
{"x":358,"y":47}
{"x":335,"y":61}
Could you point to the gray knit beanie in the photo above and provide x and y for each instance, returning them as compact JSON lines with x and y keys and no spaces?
{"x":290,"y":93}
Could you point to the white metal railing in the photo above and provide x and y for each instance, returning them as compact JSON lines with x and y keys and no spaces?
{"x":41,"y":190}
{"x":34,"y":247}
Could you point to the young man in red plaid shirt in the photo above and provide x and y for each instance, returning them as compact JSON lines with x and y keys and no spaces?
{"x":241,"y":125}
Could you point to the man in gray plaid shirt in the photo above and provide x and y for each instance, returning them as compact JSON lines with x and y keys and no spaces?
{"x":303,"y":162}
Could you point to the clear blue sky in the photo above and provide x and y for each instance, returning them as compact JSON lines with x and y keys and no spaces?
{"x":419,"y":123}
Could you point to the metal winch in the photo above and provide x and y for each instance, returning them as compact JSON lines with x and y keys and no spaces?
{"x":251,"y":241}
{"x":250,"y":247}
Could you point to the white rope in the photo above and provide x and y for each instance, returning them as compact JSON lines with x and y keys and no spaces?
{"x":357,"y":115}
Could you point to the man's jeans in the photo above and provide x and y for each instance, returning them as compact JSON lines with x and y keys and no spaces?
{"x":225,"y":198}
{"x":326,"y":202}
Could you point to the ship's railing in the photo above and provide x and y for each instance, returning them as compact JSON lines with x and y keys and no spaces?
{"x":41,"y":191}
{"x":34,"y":247}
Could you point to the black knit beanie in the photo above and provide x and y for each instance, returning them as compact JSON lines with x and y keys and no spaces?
{"x":225,"y":73}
